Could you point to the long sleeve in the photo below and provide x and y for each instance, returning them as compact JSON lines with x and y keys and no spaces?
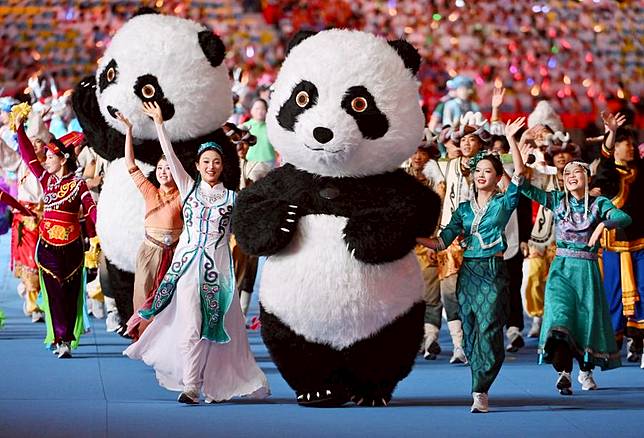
{"x":452,"y":230}
{"x":181,"y":177}
{"x":144,"y":185}
{"x":28,"y":154}
{"x":512,"y":193}
{"x":6,"y":198}
{"x":613,"y":217}
{"x":90,"y":209}
{"x":548,"y":199}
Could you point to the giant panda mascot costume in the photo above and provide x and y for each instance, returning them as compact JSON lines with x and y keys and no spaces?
{"x":341,"y":292}
{"x":179,"y":64}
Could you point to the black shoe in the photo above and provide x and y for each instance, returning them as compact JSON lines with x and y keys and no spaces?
{"x":516,"y":344}
{"x":564,"y":384}
{"x":432,"y":351}
{"x":187,"y":399}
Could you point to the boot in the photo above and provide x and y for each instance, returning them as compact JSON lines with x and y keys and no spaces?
{"x":515,"y":340}
{"x":456,"y":332}
{"x":113,"y":321}
{"x":535,"y":330}
{"x":431,"y":348}
{"x":244,"y":301}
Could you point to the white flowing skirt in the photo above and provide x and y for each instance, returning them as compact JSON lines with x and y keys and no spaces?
{"x":172,"y":345}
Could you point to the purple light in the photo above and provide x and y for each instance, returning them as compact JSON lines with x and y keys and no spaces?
{"x":552,"y":62}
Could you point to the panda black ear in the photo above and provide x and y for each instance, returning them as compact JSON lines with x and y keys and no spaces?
{"x":298,"y":38}
{"x":145,"y":10}
{"x":408,"y":53}
{"x":212,"y":47}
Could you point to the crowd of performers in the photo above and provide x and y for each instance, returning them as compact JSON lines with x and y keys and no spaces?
{"x":526,"y":225}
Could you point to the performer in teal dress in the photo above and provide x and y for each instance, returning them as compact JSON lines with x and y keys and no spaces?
{"x":482,"y":287}
{"x":576,"y":321}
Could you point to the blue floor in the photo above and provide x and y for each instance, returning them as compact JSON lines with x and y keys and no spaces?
{"x":101,"y":393}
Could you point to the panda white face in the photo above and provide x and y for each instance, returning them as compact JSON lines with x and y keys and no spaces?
{"x":344,"y":104}
{"x":170,"y":60}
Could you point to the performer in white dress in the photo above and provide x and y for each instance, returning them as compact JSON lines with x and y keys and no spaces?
{"x":197,"y":341}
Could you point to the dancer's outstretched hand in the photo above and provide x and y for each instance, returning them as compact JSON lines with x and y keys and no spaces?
{"x":124,"y":120}
{"x":153,"y":110}
{"x":513,"y":127}
{"x":597,"y":234}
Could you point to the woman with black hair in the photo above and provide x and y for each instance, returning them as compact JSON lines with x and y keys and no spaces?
{"x":59,"y":253}
{"x":482,"y":286}
{"x":197,"y":341}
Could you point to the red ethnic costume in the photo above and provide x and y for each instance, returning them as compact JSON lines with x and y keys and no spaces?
{"x":59,"y":252}
{"x":24,"y":228}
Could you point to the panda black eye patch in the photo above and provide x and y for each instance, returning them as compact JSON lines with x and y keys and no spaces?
{"x":371,"y":121}
{"x":147,"y":88}
{"x":108,"y":76}
{"x":294,"y":106}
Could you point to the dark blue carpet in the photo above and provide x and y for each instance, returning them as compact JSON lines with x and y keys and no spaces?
{"x":101,"y":393}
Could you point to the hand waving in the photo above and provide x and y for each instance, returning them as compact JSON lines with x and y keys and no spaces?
{"x":612,"y":121}
{"x":124,"y":120}
{"x":497,"y":97}
{"x":513,"y":127}
{"x":153,"y":110}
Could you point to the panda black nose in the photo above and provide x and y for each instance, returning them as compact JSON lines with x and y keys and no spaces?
{"x":323,"y":135}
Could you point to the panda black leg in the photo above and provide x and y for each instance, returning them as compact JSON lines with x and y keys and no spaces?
{"x":377,"y":364}
{"x":314,"y":371}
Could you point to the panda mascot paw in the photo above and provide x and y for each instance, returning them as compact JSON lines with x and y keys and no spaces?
{"x":339,"y":221}
{"x":178,"y":64}
{"x":267,"y":224}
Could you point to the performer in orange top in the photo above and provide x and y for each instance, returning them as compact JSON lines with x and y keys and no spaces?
{"x":163,"y":226}
{"x":59,"y":253}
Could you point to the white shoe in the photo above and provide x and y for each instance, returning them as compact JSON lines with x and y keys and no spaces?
{"x":586,"y":380}
{"x":642,"y":364}
{"x":633,"y":354}
{"x":64,"y":351}
{"x":458,"y":356}
{"x":113,"y":321}
{"x":21,"y":289}
{"x":535,"y":330}
{"x":480,"y":404}
{"x":97,"y":308}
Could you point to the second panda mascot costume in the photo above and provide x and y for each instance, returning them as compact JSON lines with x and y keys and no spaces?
{"x":177,"y":63}
{"x":341,"y":292}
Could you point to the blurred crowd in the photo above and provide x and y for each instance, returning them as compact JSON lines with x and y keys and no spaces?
{"x":577,"y":54}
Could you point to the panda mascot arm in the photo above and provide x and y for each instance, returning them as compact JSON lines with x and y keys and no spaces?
{"x":266,"y":214}
{"x":386,"y":233}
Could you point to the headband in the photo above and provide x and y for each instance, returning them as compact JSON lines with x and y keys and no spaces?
{"x":210,"y":145}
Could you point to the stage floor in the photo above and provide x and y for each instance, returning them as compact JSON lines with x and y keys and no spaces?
{"x":101,"y":393}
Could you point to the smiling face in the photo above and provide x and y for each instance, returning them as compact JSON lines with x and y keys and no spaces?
{"x":169,"y":60}
{"x":210,"y":166}
{"x":163,"y":174}
{"x":575,"y":178}
{"x":345,"y":105}
{"x":419,"y":159}
{"x":485,"y":176}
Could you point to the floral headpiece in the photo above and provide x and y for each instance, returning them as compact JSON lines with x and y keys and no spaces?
{"x":480,"y":155}
{"x":559,"y":142}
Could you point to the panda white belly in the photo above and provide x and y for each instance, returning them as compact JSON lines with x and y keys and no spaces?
{"x":120,"y":215}
{"x":323,"y":293}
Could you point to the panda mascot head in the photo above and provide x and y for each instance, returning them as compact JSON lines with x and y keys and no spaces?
{"x":175,"y":62}
{"x":363,"y":119}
